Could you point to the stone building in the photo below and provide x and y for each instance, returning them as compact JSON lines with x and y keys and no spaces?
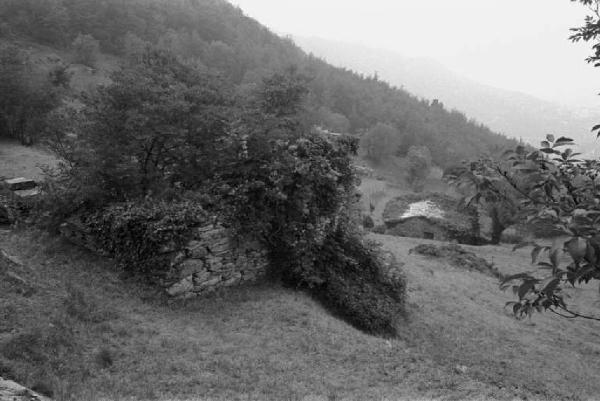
{"x":431,"y":216}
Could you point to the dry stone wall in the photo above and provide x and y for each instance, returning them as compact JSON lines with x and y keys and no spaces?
{"x":214,"y":258}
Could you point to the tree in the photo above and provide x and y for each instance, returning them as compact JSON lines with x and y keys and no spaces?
{"x":157,"y":126}
{"x":418,"y":162}
{"x":28,"y":95}
{"x":380,"y":142}
{"x":486,"y":182}
{"x":555,"y":186}
{"x":86,"y":50}
{"x":559,"y":187}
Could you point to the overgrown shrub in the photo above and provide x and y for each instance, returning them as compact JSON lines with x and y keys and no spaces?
{"x":142,"y":235}
{"x":359,"y":284}
{"x":368,"y":222}
{"x":299,"y":198}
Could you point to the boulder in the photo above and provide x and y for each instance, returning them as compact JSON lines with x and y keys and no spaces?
{"x":27,"y":193}
{"x":20,"y":184}
{"x":11,"y":391}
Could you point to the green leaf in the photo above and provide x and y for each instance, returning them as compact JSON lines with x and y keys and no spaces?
{"x":517,"y":276}
{"x":549,"y":288}
{"x":525,"y":288}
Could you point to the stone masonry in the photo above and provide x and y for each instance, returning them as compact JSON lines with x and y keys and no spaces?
{"x":212,"y":259}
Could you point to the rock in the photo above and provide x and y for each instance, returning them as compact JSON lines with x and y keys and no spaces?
{"x":197,"y":250}
{"x":220,"y":248}
{"x":461,"y":369}
{"x":191,"y":266}
{"x":208,"y":283}
{"x":214,"y":263}
{"x":234,"y":280}
{"x":11,"y":391}
{"x":184,"y":286}
{"x":178,"y":259}
{"x":27,"y":193}
{"x":201,"y":277}
{"x":20,"y":183}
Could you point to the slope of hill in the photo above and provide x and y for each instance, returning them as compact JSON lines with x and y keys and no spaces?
{"x":72,"y":327}
{"x":214,"y":35}
{"x":512,"y":113}
{"x":80,"y":332}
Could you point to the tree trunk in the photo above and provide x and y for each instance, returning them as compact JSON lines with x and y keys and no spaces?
{"x":497,"y":226}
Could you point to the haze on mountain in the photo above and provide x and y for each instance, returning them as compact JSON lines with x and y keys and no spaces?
{"x":509,"y":44}
{"x":513,"y":113}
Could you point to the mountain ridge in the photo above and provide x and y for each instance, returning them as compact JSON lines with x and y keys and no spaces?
{"x":512,"y":113}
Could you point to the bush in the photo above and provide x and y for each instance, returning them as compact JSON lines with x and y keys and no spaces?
{"x":368,"y":222}
{"x":360,"y":285}
{"x":142,"y":235}
{"x":86,"y":50}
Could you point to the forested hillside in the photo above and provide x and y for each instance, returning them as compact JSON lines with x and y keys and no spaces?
{"x":512,"y":113}
{"x":216,"y":37}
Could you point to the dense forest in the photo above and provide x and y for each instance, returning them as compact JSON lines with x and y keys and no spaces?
{"x":217,"y":38}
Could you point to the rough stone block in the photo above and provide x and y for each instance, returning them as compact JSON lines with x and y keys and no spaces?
{"x":184,"y":286}
{"x":208,"y":283}
{"x":202,"y":276}
{"x":27,"y":193}
{"x":236,"y":279}
{"x":219,"y":248}
{"x":20,"y":183}
{"x":178,"y":258}
{"x":191,"y":266}
{"x":197,"y":250}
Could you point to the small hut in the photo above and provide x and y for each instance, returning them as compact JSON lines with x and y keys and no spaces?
{"x":431,"y":216}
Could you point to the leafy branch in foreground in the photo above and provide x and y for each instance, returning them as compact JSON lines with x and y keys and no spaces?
{"x":555,"y":187}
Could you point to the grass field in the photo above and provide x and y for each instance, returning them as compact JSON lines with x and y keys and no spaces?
{"x":75,"y":327}
{"x":123,"y":341}
{"x":21,"y":161}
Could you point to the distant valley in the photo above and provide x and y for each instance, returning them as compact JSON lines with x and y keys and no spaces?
{"x":512,"y":113}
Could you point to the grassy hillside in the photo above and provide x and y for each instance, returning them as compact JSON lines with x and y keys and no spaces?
{"x":111,"y":339}
{"x":74,"y":326}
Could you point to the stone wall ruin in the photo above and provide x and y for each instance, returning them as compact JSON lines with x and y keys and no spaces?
{"x":213,"y":258}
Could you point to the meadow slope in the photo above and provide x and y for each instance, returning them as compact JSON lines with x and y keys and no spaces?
{"x":271,"y":343}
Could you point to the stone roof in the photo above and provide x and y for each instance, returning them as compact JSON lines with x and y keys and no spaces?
{"x":424,"y":208}
{"x":436,"y":207}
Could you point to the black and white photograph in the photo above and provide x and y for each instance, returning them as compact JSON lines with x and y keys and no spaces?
{"x":285,"y":200}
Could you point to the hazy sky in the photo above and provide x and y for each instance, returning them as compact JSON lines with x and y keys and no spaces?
{"x":511,"y":44}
